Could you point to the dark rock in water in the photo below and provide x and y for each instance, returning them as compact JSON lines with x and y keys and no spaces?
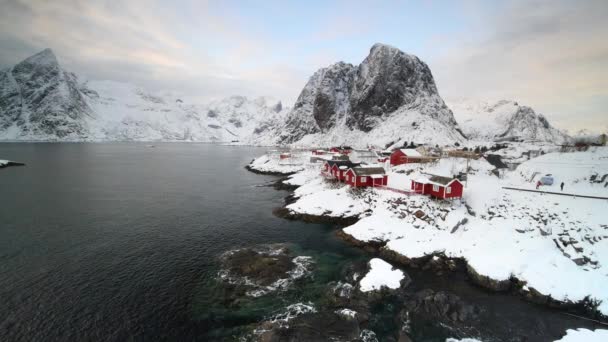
{"x":443,"y":306}
{"x":321,"y":326}
{"x":262,"y":269}
{"x":10,"y":163}
{"x":441,"y":309}
{"x":302,"y":322}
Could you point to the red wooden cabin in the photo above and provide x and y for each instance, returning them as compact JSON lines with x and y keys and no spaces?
{"x":438,"y":186}
{"x":338,"y":168}
{"x":366,"y":176}
{"x":404,"y":156}
{"x":285,"y":155}
{"x":339,"y":171}
{"x":318,"y":152}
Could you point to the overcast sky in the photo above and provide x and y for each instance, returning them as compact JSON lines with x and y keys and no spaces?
{"x":551,"y":55}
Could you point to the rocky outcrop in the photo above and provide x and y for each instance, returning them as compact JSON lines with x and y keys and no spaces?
{"x":259,"y":270}
{"x":311,"y":326}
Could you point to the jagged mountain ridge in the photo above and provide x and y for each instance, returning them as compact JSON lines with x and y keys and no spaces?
{"x":38,"y":98}
{"x":40,"y":101}
{"x":390,"y":96}
{"x":504,"y":120}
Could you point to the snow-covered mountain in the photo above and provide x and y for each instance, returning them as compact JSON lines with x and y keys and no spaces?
{"x":503,"y":120}
{"x":38,"y":98}
{"x":390,"y":97}
{"x":41,"y":101}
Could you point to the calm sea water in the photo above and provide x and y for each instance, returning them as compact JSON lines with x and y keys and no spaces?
{"x":119,"y":241}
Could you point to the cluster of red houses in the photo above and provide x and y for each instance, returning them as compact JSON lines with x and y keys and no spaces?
{"x":344,"y":170}
{"x":355,"y":174}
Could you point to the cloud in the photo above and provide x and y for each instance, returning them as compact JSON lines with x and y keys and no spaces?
{"x":550,"y":55}
{"x":155,"y":45}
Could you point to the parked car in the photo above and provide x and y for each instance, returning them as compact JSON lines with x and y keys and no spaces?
{"x":547,"y":179}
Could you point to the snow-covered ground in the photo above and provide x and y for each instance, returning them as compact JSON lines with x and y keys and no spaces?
{"x":585,"y":335}
{"x":557,"y":245}
{"x":272,"y":163}
{"x":381,"y":274}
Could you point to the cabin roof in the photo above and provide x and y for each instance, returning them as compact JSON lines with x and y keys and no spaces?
{"x":368,"y":171}
{"x":436,"y":180}
{"x":441,"y":180}
{"x":410,"y":152}
{"x":339,"y":163}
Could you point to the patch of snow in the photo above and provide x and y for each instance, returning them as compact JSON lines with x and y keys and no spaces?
{"x":585,"y":335}
{"x":381,"y":274}
{"x":348,"y":313}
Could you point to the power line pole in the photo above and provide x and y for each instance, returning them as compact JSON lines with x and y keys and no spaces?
{"x":466,"y":180}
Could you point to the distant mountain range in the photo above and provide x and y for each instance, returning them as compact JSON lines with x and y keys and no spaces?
{"x":40,"y":101}
{"x":390,"y":98}
{"x":503,"y":120}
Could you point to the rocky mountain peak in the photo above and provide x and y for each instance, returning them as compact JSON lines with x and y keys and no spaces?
{"x":389,"y":85}
{"x":386,"y":80}
{"x":44,"y":57}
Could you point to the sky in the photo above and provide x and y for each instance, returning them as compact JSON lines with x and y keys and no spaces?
{"x":550,"y":55}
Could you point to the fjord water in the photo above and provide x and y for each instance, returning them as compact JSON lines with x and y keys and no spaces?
{"x":116,"y":241}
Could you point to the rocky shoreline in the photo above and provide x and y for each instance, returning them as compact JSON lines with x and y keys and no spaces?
{"x":513,"y":285}
{"x":586,"y":308}
{"x":268,"y":173}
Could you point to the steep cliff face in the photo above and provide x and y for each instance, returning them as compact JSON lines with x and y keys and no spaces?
{"x":38,"y":98}
{"x":504,"y":120}
{"x":322,"y":104}
{"x":387,"y":80}
{"x":390,"y":96}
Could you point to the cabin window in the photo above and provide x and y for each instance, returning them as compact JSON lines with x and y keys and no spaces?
{"x":363,"y":179}
{"x":448,"y":190}
{"x":435,"y":187}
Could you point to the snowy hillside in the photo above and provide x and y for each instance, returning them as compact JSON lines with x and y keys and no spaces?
{"x":503,"y":120}
{"x":40,"y":101}
{"x":390,"y":97}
